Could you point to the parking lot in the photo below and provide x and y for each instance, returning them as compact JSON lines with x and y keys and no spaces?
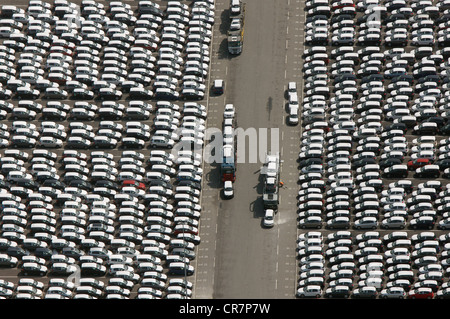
{"x":373,"y":156}
{"x":94,"y":107}
{"x":105,"y":128}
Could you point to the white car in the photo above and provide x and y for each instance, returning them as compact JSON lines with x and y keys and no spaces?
{"x":48,"y":141}
{"x":229,"y":111}
{"x":228,"y":191}
{"x":268,"y":220}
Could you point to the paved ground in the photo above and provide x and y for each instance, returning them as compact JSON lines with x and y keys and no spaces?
{"x":238,"y":258}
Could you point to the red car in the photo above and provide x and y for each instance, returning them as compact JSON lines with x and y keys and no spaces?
{"x":342,"y":4}
{"x":419,"y":162}
{"x":134,"y":183}
{"x":421,"y":293}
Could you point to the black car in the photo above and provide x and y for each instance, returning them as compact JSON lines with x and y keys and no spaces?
{"x":427,"y":171}
{"x":443,"y":164}
{"x":27,"y":184}
{"x":77,"y":144}
{"x":54,"y":183}
{"x":338,"y":292}
{"x":440,"y":121}
{"x":365,"y":293}
{"x":316,"y":18}
{"x":132,"y":143}
{"x":422,"y":223}
{"x":21,"y":192}
{"x":186,"y":270}
{"x":43,"y":252}
{"x":395,"y":17}
{"x":339,"y":191}
{"x":375,"y":183}
{"x":389,"y":162}
{"x":372,"y":77}
{"x":144,"y":94}
{"x":430,"y":78}
{"x":344,"y":77}
{"x":103,"y":143}
{"x":193,"y":184}
{"x":107,"y":184}
{"x":396,"y":171}
{"x":397,"y":126}
{"x":49,"y":192}
{"x":72,"y":252}
{"x":407,"y":185}
{"x":341,"y":17}
{"x":445,"y":130}
{"x":405,"y":77}
{"x":17,"y":252}
{"x":23,"y":143}
{"x":105,"y":192}
{"x":317,"y":184}
{"x":157,"y":182}
{"x":139,"y":135}
{"x":310,"y":161}
{"x":81,"y":184}
{"x":443,"y":18}
{"x":92,"y":269}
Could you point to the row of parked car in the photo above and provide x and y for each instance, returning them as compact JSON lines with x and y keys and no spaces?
{"x":87,"y":288}
{"x":371,"y":265}
{"x":89,"y":51}
{"x":103,"y":223}
{"x":333,"y":123}
{"x":164,"y":132}
{"x":360,"y":107}
{"x":134,"y":218}
{"x":423,"y":64}
{"x":406,"y":23}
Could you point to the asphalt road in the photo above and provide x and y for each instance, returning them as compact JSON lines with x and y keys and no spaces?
{"x":238,"y":258}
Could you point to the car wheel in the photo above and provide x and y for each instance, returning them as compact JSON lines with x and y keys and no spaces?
{"x":302,"y":296}
{"x":317,"y":296}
